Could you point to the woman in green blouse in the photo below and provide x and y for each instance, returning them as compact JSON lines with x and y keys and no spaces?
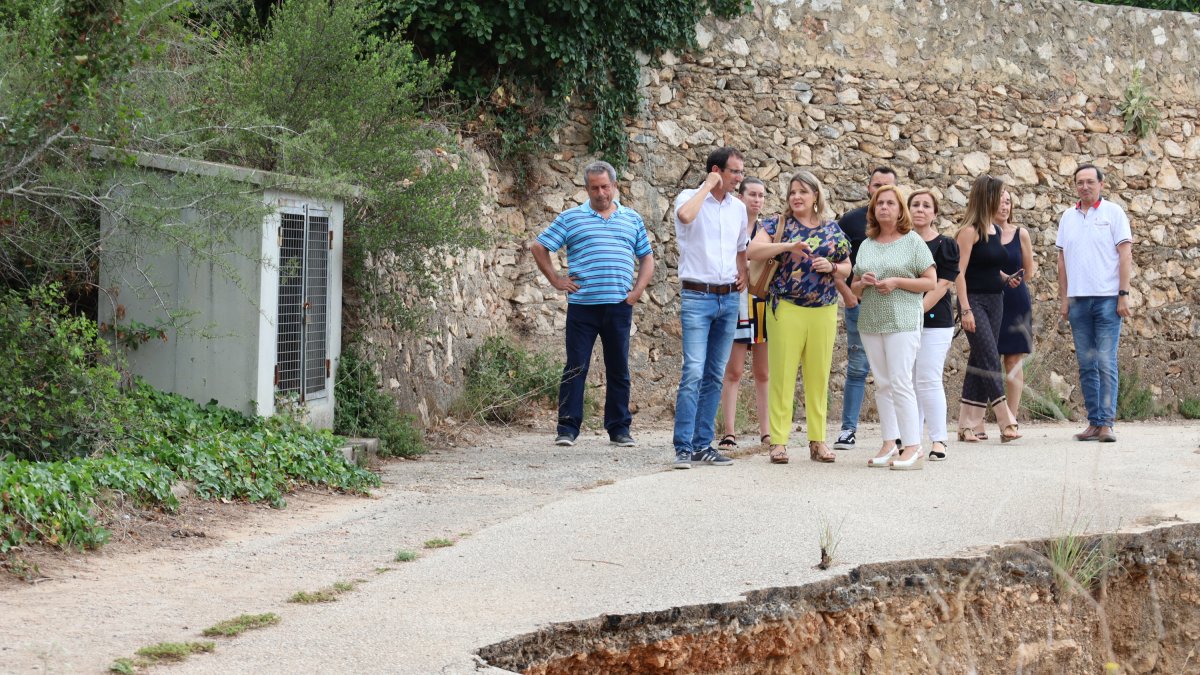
{"x":893,"y":270}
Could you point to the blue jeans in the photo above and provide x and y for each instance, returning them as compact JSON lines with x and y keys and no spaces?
{"x":584,"y":323}
{"x":1096,"y":327}
{"x":708,"y":323}
{"x":857,"y":369}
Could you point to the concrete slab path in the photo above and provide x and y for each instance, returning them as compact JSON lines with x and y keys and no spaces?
{"x":546,"y":534}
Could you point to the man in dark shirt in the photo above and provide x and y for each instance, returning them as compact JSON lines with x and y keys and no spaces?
{"x":854,"y":226}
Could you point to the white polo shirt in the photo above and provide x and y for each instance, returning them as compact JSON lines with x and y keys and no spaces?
{"x":708,"y":247}
{"x":1089,"y":246}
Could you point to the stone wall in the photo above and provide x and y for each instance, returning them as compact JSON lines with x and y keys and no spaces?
{"x":942,"y":91}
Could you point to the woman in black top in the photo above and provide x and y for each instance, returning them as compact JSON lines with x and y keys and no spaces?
{"x":980,"y":302}
{"x":938,"y":330}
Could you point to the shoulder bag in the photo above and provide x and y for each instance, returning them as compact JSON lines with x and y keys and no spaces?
{"x":762,"y":272}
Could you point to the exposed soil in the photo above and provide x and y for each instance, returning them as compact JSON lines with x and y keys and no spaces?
{"x":1003,"y":613}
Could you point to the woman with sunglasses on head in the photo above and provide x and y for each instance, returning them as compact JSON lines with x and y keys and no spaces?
{"x":893,"y":270}
{"x":1016,"y":326}
{"x":750,"y":335}
{"x":980,"y":289}
{"x":938,"y":330}
{"x":802,"y":311}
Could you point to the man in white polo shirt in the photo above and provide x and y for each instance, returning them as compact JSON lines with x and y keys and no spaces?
{"x":710,"y":226}
{"x":1095,"y":261}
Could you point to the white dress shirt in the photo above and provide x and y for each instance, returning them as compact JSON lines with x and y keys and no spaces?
{"x":708,"y":247}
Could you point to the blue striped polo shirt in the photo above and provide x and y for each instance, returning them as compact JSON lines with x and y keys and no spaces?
{"x":600,"y":252}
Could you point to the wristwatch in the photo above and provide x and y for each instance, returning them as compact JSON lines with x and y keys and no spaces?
{"x":1122,"y":293}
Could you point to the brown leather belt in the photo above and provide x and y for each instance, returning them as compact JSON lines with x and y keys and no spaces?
{"x":716,"y":289}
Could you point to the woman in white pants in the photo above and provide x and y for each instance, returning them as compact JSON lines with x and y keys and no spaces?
{"x":938,"y":331}
{"x":894,"y":268}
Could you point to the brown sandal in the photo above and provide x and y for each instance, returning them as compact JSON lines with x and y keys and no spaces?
{"x":779,"y":456}
{"x":967,"y":436}
{"x":819,"y":452}
{"x":1005,"y":437}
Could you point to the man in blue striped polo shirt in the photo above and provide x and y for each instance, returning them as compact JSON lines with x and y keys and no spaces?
{"x":602,"y":238}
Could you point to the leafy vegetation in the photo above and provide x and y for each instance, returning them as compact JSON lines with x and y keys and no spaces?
{"x":163,"y":652}
{"x":57,"y":396}
{"x":1137,"y":107}
{"x":1173,"y":5}
{"x":1134,"y":401}
{"x":328,"y":594}
{"x":405,"y":556}
{"x":1190,"y":408}
{"x":225,"y":454}
{"x":505,"y":379}
{"x":241,"y":624}
{"x":526,"y":62}
{"x":363,"y":409}
{"x":439,"y":543}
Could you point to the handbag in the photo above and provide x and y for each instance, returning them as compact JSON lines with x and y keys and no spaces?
{"x":762,"y":272}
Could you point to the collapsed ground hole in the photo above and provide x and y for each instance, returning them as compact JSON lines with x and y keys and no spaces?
{"x":1006,"y":612}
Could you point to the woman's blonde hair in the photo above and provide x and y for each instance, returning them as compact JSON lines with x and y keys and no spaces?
{"x":813,"y":183}
{"x":904,"y":223}
{"x":982,"y":203}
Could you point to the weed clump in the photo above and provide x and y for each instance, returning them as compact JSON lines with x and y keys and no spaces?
{"x":438,"y":543}
{"x":163,"y":652}
{"x":1134,"y":401}
{"x":328,"y":594}
{"x":241,"y":624}
{"x":405,"y":556}
{"x":1189,"y":408}
{"x":363,"y":409}
{"x":503,"y":378}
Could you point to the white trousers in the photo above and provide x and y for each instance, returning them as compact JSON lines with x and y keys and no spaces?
{"x":929,"y":380}
{"x":892,"y":356}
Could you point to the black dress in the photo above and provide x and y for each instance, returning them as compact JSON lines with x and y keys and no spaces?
{"x":1016,"y":325}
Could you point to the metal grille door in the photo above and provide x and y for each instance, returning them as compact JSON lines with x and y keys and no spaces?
{"x":303,"y":304}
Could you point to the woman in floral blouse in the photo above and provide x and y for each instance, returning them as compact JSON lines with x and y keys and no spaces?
{"x":802,"y":311}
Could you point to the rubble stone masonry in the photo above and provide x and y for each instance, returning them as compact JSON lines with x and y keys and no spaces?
{"x":942,"y":91}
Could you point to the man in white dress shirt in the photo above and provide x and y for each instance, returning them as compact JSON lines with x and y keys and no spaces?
{"x":710,"y":226}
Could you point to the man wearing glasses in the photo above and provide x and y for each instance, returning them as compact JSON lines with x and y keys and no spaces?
{"x":1095,"y":262}
{"x":710,"y":226}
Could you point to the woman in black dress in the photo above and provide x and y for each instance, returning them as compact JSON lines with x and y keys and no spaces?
{"x":1016,"y":327}
{"x":980,"y":291}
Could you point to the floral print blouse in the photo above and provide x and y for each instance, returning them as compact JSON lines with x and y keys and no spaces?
{"x":795,"y":281}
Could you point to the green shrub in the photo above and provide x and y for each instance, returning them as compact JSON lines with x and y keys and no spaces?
{"x":363,"y":409}
{"x":1190,"y":408}
{"x":226,"y":454}
{"x":58,"y":395}
{"x":504,"y":377}
{"x":1134,"y":402}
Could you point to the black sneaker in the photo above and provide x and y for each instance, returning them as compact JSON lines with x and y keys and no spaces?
{"x":564,"y":439}
{"x":683,"y":459}
{"x":845,"y":440}
{"x":622,"y":440}
{"x":711,"y":457}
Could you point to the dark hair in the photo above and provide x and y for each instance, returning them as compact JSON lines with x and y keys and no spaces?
{"x":1082,"y":167}
{"x":881,"y":169}
{"x":982,"y":203}
{"x":720,"y":157}
{"x":750,"y":180}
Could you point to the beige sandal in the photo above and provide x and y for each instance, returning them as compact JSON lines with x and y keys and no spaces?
{"x":779,"y":456}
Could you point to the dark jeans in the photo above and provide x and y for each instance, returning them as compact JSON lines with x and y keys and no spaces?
{"x":584,"y":323}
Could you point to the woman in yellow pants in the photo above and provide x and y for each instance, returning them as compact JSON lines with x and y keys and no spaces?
{"x":801,"y":311}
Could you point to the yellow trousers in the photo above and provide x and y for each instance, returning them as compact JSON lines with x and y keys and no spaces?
{"x":801,"y":338}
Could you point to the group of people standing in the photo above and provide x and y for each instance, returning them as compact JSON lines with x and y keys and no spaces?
{"x":891,"y":269}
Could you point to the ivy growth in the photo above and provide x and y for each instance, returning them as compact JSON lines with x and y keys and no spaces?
{"x":508,"y":52}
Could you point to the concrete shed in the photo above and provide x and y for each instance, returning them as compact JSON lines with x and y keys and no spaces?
{"x":270,"y":334}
